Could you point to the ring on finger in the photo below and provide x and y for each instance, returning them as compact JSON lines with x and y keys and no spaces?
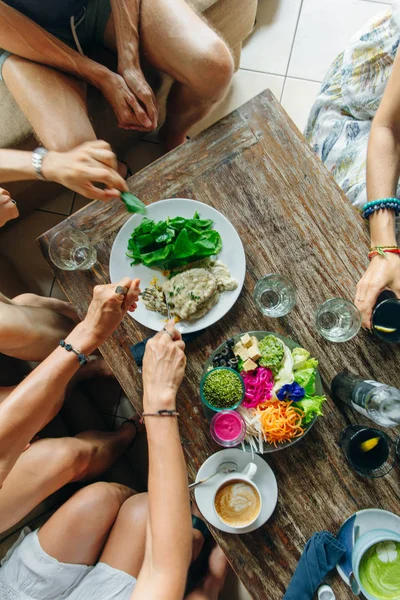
{"x":121,"y":290}
{"x":169,"y":333}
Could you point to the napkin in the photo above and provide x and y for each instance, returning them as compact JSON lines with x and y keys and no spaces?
{"x":137,"y":350}
{"x":320,"y":555}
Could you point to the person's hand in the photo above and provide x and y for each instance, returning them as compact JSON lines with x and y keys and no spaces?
{"x":163,"y":369}
{"x":127,"y":108}
{"x":382,"y":273}
{"x":78,"y":170}
{"x":137,"y":83}
{"x":8,"y":208}
{"x":108,"y":308}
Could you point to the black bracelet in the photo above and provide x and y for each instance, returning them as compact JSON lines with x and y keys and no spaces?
{"x":160,"y":413}
{"x":82,"y":358}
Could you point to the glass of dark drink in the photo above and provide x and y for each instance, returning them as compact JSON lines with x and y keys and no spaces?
{"x":369,"y":451}
{"x":386,"y":317}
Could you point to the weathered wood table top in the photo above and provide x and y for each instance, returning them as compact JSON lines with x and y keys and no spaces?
{"x":256,"y":168}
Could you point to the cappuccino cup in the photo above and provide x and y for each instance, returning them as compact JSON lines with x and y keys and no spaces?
{"x":237,"y":501}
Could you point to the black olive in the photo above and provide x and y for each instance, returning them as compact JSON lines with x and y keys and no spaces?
{"x":223,"y":363}
{"x":234,"y":361}
{"x":230,"y":343}
{"x":225,"y":352}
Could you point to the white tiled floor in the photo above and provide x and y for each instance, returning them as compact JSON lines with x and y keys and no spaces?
{"x":290,"y":50}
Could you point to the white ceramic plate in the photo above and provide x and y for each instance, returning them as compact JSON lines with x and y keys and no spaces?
{"x":264,"y":479}
{"x":232,"y":254}
{"x":367,"y":519}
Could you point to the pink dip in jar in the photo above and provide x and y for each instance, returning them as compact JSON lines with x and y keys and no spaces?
{"x":227,"y":428}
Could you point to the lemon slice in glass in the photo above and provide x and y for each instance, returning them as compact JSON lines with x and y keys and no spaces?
{"x":385,"y":329}
{"x":369,"y":444}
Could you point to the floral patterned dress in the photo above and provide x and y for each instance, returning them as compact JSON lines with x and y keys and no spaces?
{"x":340,"y":120}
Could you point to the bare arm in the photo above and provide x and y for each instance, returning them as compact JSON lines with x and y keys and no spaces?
{"x":383,"y":170}
{"x":79,"y":169}
{"x":126,"y":15}
{"x":169,"y":531}
{"x":35,"y":401}
{"x":23,"y":37}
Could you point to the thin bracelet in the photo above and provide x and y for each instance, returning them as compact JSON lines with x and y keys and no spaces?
{"x":160,"y":413}
{"x":373,"y":248}
{"x":383,"y":252}
{"x":82,"y":358}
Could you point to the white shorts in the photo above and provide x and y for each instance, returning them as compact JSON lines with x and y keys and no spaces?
{"x":28,"y":573}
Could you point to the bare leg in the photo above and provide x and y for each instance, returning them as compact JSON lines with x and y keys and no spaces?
{"x":214,"y":581}
{"x":77,"y":532}
{"x":59,"y":306}
{"x":125,"y":547}
{"x":31,"y":332}
{"x":53,"y":102}
{"x":49,"y":464}
{"x":175,"y":40}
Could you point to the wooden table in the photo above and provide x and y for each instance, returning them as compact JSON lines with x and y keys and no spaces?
{"x":256,"y":168}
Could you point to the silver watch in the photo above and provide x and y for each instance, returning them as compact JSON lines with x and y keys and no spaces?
{"x":37,"y":160}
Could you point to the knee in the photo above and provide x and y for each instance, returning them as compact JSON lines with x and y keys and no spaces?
{"x":215,"y":70}
{"x":135,"y":510}
{"x":102,"y":493}
{"x":100,"y":501}
{"x":71,"y":458}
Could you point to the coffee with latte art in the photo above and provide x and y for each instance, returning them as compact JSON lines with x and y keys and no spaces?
{"x":237,"y":503}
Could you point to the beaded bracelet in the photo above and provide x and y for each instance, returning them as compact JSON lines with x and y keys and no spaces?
{"x":383,"y":252}
{"x":82,"y":358}
{"x":372,"y":248}
{"x":382,"y":203}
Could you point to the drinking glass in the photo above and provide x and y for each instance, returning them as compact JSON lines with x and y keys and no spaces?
{"x":274,"y":295}
{"x":338,"y":320}
{"x":386,"y":317}
{"x":71,"y":250}
{"x":376,"y":462}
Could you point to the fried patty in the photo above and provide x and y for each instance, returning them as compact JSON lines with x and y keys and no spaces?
{"x":187,"y":292}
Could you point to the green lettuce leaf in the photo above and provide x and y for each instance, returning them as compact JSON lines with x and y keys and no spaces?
{"x":306,"y":378}
{"x":312,"y":407}
{"x":174,"y":242}
{"x":300,"y":355}
{"x":133,"y":204}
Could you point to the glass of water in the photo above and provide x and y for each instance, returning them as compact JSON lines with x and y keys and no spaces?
{"x":70,"y":249}
{"x":274,"y":295}
{"x":338,"y":320}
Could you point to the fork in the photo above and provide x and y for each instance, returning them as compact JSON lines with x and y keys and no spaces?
{"x":147,"y":295}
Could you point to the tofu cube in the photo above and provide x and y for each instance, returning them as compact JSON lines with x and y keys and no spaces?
{"x":246,"y":340}
{"x":254,"y":353}
{"x":238,"y":348}
{"x":244,"y":354}
{"x":249,"y":365}
{"x":254,"y":340}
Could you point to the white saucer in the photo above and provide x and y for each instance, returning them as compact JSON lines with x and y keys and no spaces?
{"x":264,"y":479}
{"x":366,"y":520}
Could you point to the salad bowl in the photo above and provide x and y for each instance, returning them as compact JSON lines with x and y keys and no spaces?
{"x":291,"y":345}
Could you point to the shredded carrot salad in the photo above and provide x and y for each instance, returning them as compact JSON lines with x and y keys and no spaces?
{"x":280,"y":421}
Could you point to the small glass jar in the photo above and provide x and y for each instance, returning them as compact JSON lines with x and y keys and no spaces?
{"x":228,"y":428}
{"x":228,"y":406}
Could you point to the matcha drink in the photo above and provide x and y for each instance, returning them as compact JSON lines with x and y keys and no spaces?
{"x":380,"y":570}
